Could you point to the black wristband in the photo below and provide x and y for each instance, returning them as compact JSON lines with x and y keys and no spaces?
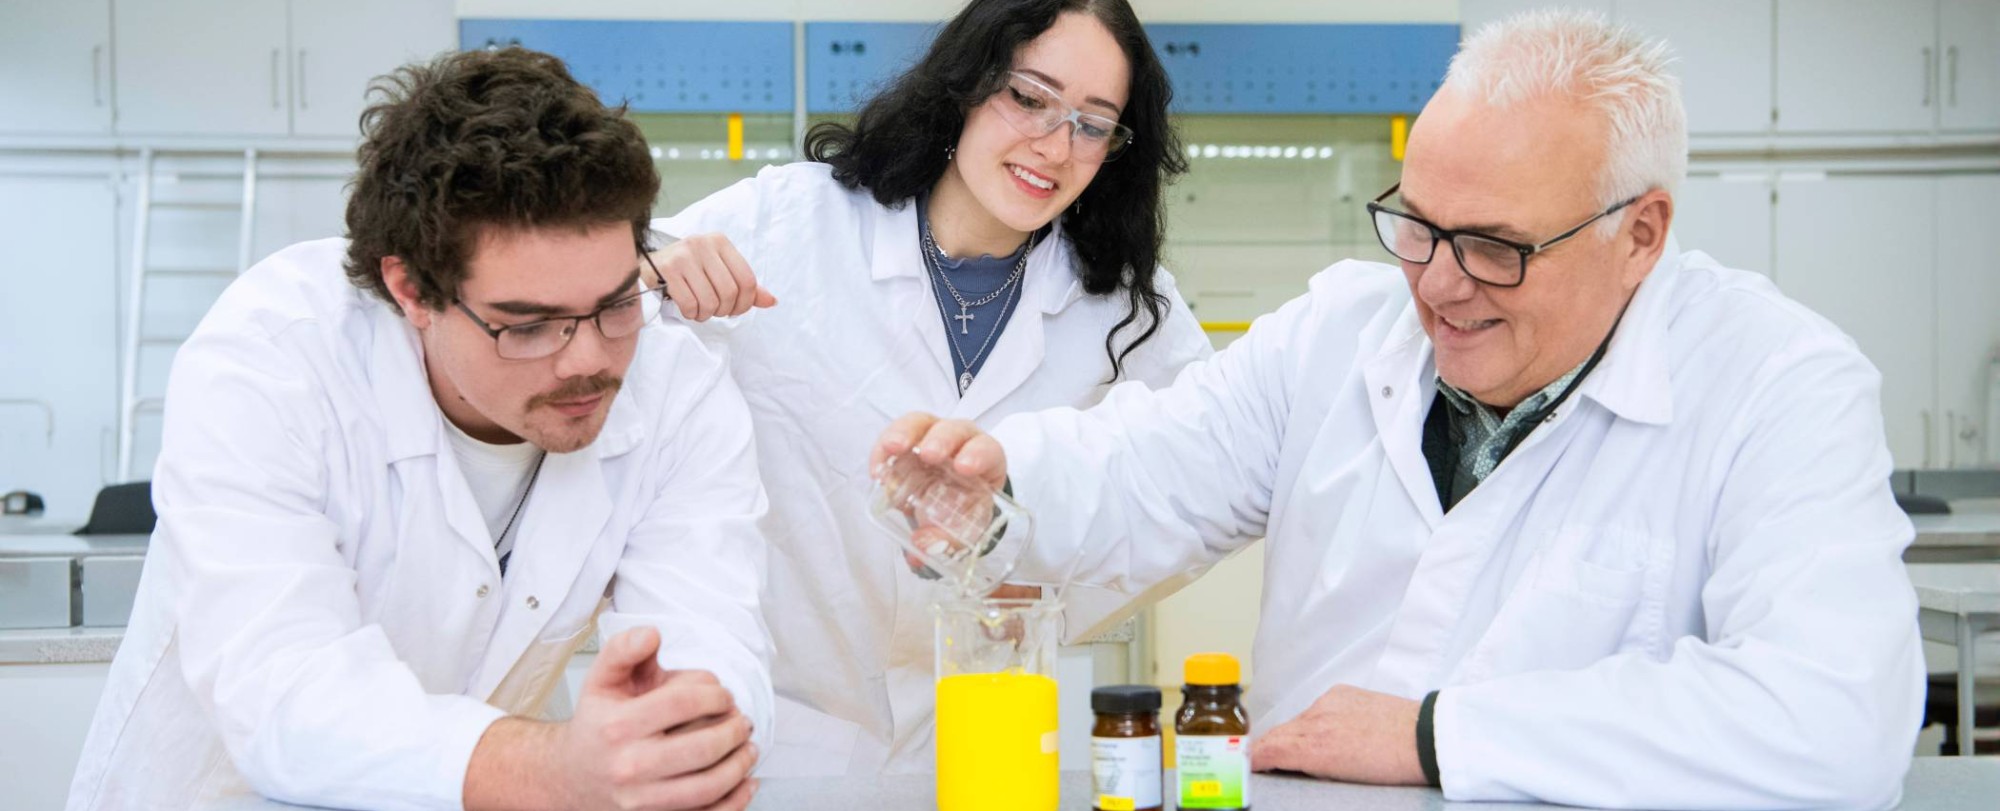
{"x":1427,"y":753}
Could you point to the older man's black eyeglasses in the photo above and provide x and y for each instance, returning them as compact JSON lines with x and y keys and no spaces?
{"x":1486,"y":259}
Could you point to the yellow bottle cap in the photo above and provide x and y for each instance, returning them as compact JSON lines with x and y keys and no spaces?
{"x":1212,"y":669}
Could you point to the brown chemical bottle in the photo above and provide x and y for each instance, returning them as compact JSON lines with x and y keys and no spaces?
{"x":1125,"y":749}
{"x":1212,"y":736}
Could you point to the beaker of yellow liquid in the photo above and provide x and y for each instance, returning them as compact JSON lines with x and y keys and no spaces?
{"x":996,"y":704}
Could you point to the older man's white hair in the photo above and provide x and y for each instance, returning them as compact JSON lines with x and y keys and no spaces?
{"x":1613,"y":69}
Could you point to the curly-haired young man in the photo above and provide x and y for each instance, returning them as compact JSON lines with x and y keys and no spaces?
{"x":407,"y":473}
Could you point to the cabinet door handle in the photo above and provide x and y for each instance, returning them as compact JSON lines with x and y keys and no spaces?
{"x":1951,"y":68}
{"x":275,"y":56}
{"x":1951,"y":439}
{"x":1929,"y":439}
{"x":302,"y":78}
{"x":1930,"y":75}
{"x":97,"y":75}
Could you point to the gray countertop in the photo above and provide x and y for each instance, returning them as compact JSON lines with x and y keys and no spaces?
{"x":1957,"y":588}
{"x":44,"y":544}
{"x":1973,"y":522}
{"x":59,"y":646}
{"x":1934,"y":784}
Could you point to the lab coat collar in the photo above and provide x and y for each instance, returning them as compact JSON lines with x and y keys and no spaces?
{"x":1633,"y":380}
{"x":402,"y":392}
{"x":1048,"y":286}
{"x":1401,"y":380}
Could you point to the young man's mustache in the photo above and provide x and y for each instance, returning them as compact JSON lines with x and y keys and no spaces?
{"x":579,"y":389}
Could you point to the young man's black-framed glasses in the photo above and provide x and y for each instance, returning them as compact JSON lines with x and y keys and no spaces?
{"x":540,"y":339}
{"x":1484,"y":258}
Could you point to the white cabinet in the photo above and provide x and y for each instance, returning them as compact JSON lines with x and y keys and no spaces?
{"x":339,"y":46}
{"x":1856,"y":66}
{"x":229,"y":67}
{"x":1724,"y":58}
{"x":202,"y":67}
{"x":1727,"y":217}
{"x":1968,"y":315}
{"x":55,"y":57}
{"x":59,"y":368}
{"x":1862,"y":251}
{"x":48,"y":710}
{"x":1969,"y":31}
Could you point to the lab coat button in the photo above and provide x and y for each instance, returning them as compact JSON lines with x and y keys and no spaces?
{"x":1388,"y":392}
{"x":533,"y":603}
{"x":483,"y":590}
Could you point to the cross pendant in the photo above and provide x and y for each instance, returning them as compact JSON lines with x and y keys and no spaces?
{"x":964,"y":320}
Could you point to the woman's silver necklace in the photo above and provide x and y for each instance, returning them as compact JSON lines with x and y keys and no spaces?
{"x":965,"y":316}
{"x":931,"y":265}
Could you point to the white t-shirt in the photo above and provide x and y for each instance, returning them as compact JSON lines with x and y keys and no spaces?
{"x":498,"y":475}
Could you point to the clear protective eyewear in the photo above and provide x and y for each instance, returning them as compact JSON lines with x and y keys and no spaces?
{"x":1034,"y":109}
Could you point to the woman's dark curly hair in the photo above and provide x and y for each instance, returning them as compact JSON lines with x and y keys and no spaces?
{"x":896,"y":149}
{"x":481,"y":139}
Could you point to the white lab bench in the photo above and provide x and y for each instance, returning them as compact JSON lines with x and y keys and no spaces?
{"x":1956,"y":604}
{"x":1933,"y":784}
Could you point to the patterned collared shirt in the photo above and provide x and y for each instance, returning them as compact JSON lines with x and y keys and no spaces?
{"x":1482,"y":438}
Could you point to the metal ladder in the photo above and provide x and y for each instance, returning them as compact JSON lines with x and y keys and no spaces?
{"x":131,"y":405}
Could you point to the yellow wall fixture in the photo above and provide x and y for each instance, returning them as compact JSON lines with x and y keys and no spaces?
{"x":736,"y":137}
{"x":1399,"y":136}
{"x":1225,"y":326}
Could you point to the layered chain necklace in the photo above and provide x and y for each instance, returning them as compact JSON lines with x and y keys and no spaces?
{"x":933,"y":256}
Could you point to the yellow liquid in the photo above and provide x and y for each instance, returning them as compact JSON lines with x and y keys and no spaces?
{"x":996,"y":742}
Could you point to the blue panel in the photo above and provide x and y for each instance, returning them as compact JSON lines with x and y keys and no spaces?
{"x":846,"y":63}
{"x":660,"y":67}
{"x":1356,"y":69}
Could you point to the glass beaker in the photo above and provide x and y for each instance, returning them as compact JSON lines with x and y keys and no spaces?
{"x":996,"y":704}
{"x":961,"y":529}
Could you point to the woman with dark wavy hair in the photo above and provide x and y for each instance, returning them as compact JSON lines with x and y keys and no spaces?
{"x":984,"y":240}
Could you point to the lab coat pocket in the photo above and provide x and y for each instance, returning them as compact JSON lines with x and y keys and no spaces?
{"x":532,"y":681}
{"x":1594,"y":583}
{"x":807,"y":743}
{"x":1577,"y":605}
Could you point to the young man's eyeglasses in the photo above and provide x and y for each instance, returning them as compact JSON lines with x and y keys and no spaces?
{"x":1487,"y":259}
{"x":1034,"y":109}
{"x":540,"y":339}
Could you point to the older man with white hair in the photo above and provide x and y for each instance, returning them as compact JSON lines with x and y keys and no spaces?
{"x":1557,"y":513}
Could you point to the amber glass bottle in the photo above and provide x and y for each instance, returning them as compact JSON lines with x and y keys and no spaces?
{"x":1212,"y":736}
{"x":1125,"y":749}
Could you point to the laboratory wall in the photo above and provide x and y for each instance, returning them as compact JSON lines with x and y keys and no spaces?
{"x":150,"y":149}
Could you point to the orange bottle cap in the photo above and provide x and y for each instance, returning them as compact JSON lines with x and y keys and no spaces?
{"x":1212,"y":669}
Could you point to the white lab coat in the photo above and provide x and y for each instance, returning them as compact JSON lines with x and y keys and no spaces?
{"x":856,"y":341}
{"x":1683,"y":591}
{"x":322,"y":618}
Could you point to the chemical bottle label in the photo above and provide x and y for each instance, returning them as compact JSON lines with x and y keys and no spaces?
{"x":1214,"y":771}
{"x":1126,"y":772}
